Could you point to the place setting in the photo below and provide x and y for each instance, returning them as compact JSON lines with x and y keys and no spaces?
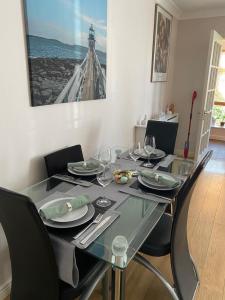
{"x":90,"y":167}
{"x":153,"y":185}
{"x":146,"y":155}
{"x":149,"y":153}
{"x":85,"y":168}
{"x":81,"y":173}
{"x":158,"y":180}
{"x":64,"y":211}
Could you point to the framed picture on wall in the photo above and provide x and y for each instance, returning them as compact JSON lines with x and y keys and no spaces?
{"x":66,"y":45}
{"x":161,"y":44}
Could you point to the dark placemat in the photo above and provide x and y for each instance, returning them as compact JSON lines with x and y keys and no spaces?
{"x":169,"y":194}
{"x":69,"y":233}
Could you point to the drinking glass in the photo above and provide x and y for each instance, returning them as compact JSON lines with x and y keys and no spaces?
{"x":135,"y":153}
{"x":105,"y":156}
{"x":104,"y":179}
{"x":149,"y":148}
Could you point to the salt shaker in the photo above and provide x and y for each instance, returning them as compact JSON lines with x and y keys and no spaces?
{"x":119,"y":251}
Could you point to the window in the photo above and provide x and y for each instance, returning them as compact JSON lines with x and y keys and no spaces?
{"x":219,"y":98}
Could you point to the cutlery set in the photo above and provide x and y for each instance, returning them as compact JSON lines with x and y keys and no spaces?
{"x":96,"y":221}
{"x":91,"y":234}
{"x":73,"y":180}
{"x":84,"y":238}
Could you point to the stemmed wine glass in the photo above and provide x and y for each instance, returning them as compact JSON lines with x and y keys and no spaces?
{"x":149,"y":148}
{"x":105,"y":156}
{"x":135,"y":153}
{"x":104,"y":179}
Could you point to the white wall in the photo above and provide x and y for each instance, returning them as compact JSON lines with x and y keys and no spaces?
{"x":29,"y":133}
{"x":189,"y":70}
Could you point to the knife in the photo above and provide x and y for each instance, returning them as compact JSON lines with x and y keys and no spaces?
{"x":73,"y":180}
{"x":95,"y":230}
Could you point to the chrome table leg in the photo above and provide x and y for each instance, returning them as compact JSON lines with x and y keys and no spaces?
{"x":118,"y":284}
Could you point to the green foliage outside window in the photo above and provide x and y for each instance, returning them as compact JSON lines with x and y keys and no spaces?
{"x":218,"y":114}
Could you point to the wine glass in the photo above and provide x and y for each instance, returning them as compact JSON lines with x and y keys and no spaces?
{"x":105,"y":156}
{"x":104,"y":179}
{"x":149,"y":148}
{"x":135,"y":153}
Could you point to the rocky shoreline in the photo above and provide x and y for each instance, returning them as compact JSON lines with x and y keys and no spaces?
{"x":48,"y":77}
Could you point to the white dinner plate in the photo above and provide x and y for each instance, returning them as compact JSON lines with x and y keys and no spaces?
{"x":89,"y":215}
{"x":74,"y":215}
{"x":157,"y":186}
{"x":157,"y":155}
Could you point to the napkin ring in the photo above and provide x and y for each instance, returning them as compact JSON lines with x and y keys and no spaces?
{"x":69,"y":206}
{"x":157,"y":177}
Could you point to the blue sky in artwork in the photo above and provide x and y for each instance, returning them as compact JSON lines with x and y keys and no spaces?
{"x":68,"y":20}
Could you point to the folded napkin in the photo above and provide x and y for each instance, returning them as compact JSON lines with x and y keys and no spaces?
{"x":85,"y":165}
{"x":61,"y":208}
{"x":155,"y":177}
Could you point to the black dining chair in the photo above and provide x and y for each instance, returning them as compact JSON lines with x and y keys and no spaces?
{"x":33,"y":265}
{"x":170,"y":237}
{"x":56,"y":162}
{"x":165,"y":134}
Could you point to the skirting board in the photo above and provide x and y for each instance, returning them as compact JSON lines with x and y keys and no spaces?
{"x":5,"y":290}
{"x":217,"y":137}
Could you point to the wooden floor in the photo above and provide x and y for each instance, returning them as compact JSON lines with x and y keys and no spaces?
{"x":206,"y":231}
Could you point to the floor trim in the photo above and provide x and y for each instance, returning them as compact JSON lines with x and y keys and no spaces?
{"x":217,"y":137}
{"x":5,"y":290}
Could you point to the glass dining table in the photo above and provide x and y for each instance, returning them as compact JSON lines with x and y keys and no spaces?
{"x":137,"y":217}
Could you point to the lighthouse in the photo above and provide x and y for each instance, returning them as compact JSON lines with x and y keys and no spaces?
{"x":88,"y":81}
{"x":91,"y":38}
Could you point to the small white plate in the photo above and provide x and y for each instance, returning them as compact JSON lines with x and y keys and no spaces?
{"x":74,"y":215}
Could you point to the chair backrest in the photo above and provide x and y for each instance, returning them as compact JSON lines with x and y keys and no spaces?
{"x":184,"y":272}
{"x":33,"y":265}
{"x":165,"y":134}
{"x":56,"y":162}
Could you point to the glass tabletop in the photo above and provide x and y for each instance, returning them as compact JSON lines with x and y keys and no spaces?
{"x":179,"y":166}
{"x":121,"y":240}
{"x":170,"y":163}
{"x":119,"y":243}
{"x":137,"y":216}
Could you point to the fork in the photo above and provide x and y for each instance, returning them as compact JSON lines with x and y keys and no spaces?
{"x":96,"y":221}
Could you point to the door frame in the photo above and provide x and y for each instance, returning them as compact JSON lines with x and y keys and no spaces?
{"x":214,"y":36}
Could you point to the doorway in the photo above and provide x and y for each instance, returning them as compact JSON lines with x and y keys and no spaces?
{"x":218,"y":115}
{"x":209,"y":93}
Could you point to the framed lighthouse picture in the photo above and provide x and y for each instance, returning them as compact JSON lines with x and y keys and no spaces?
{"x":66,"y":47}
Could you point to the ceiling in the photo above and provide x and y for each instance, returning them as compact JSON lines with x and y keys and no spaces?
{"x":188,"y":6}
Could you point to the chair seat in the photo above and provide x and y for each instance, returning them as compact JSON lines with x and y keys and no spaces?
{"x":158,"y":241}
{"x":67,"y":292}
